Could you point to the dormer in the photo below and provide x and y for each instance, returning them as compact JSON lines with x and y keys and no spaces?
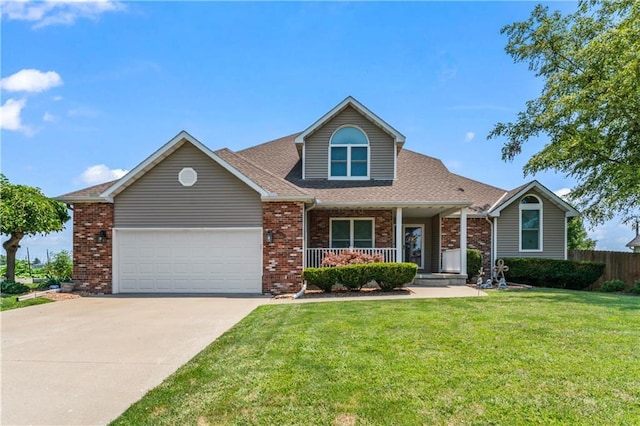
{"x":349,"y":143}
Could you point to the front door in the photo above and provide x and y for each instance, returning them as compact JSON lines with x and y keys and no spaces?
{"x":413,"y":245}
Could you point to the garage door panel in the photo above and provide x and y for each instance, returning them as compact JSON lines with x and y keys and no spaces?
{"x":202,"y":261}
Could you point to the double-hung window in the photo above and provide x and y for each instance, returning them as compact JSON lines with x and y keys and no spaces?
{"x":349,"y":154}
{"x":354,"y":233}
{"x":530,"y":224}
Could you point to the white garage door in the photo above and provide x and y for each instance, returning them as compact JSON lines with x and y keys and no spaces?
{"x":188,"y":261}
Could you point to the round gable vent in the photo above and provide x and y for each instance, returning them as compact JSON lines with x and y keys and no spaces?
{"x":188,"y":176}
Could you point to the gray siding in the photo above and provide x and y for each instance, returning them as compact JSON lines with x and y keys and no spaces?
{"x":553,"y":229}
{"x":218,"y":199}
{"x":381,"y":146}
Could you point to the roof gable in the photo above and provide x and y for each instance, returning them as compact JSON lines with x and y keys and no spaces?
{"x":162,"y":153}
{"x":516,"y":193}
{"x":351,"y":101}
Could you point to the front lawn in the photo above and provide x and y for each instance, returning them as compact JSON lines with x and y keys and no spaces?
{"x":529,"y":357}
{"x":10,"y":301}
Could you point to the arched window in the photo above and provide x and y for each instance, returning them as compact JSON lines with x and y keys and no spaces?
{"x":349,"y":153}
{"x":530,"y":223}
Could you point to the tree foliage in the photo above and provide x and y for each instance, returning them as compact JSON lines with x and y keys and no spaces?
{"x":589,"y":107}
{"x":25,"y":210}
{"x":577,"y":238}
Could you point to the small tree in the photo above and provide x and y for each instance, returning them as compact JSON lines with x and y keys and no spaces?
{"x":61,"y":267}
{"x":577,"y":238}
{"x":25,"y":210}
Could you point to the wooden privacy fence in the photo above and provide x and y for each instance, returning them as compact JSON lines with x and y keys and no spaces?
{"x":620,"y":265}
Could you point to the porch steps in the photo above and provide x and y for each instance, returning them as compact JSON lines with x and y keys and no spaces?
{"x":440,"y":280}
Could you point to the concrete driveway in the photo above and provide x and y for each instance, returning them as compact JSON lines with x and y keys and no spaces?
{"x":84,"y":361}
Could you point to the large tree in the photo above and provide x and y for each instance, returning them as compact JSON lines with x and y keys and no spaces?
{"x":589,"y":107}
{"x":25,"y":210}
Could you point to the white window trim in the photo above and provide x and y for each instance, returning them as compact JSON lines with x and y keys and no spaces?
{"x":522,"y":207}
{"x":351,"y":219}
{"x":349,"y":146}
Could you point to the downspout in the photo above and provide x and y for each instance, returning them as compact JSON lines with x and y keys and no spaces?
{"x":492,"y":247}
{"x":304,"y":247}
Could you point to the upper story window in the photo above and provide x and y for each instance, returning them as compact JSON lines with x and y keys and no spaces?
{"x":530,"y":224}
{"x":349,"y":153}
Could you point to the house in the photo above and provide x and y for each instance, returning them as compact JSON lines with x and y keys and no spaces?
{"x":189,"y":219}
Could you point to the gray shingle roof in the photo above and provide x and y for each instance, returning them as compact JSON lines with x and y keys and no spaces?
{"x":421,"y":179}
{"x":276,"y":167}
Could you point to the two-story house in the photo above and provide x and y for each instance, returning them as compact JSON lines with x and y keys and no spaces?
{"x":192,"y":220}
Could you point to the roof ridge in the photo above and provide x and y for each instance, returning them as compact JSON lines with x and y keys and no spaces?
{"x":297,"y":188}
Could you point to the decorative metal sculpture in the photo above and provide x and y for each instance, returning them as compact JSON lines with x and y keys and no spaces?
{"x":500,"y":269}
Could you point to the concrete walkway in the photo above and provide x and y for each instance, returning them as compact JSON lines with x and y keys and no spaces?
{"x":84,"y":361}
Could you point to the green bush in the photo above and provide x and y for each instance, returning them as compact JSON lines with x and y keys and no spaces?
{"x":635,"y":288}
{"x":355,"y":276}
{"x":323,"y":278}
{"x":392,"y":275}
{"x":474,"y":262}
{"x":387,"y":275}
{"x":61,"y":267}
{"x":612,"y":286}
{"x":10,"y":287}
{"x":567,"y":274}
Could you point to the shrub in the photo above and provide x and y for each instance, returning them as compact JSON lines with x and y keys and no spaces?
{"x":355,"y":276}
{"x":323,"y":278}
{"x":392,"y":275}
{"x":61,"y":267}
{"x":10,"y":287}
{"x":567,"y":274}
{"x":350,"y":257}
{"x":474,"y":262}
{"x":635,"y":288}
{"x":612,"y":285}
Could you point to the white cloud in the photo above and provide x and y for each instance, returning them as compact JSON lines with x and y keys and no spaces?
{"x":63,"y":12}
{"x":100,"y":173}
{"x":562,"y":192}
{"x":468,"y":137}
{"x":57,"y":98}
{"x":30,"y":80}
{"x":50,"y":118}
{"x":453,"y":164}
{"x":10,"y":115}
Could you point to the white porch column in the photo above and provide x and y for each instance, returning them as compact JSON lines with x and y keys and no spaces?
{"x":463,"y":240}
{"x":399,"y":235}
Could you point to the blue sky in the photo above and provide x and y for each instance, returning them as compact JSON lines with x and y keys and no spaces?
{"x":89,"y":90}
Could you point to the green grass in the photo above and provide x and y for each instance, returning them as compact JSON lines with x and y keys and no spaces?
{"x":531,"y":357}
{"x":10,"y":301}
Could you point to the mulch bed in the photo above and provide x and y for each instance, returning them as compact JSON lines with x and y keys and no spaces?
{"x":61,"y":296}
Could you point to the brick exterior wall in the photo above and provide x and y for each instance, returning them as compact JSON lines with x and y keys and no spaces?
{"x":282,"y":259}
{"x":478,"y":237}
{"x":319,"y":226}
{"x":92,"y":263}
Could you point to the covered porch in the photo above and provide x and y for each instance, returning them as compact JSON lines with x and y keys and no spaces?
{"x":396,"y":233}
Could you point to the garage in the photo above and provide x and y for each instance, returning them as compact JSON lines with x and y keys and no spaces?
{"x":202,"y":260}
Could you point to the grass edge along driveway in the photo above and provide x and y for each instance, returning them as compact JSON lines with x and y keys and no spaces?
{"x":529,"y":357}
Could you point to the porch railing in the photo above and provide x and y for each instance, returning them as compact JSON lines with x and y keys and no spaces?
{"x":451,"y":260}
{"x":315,"y":255}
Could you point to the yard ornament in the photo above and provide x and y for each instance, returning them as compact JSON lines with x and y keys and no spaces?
{"x":500,"y":269}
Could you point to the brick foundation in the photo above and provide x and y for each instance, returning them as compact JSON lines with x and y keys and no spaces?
{"x":478,"y":237}
{"x":92,"y":263}
{"x":282,"y":258}
{"x":319,"y":225}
